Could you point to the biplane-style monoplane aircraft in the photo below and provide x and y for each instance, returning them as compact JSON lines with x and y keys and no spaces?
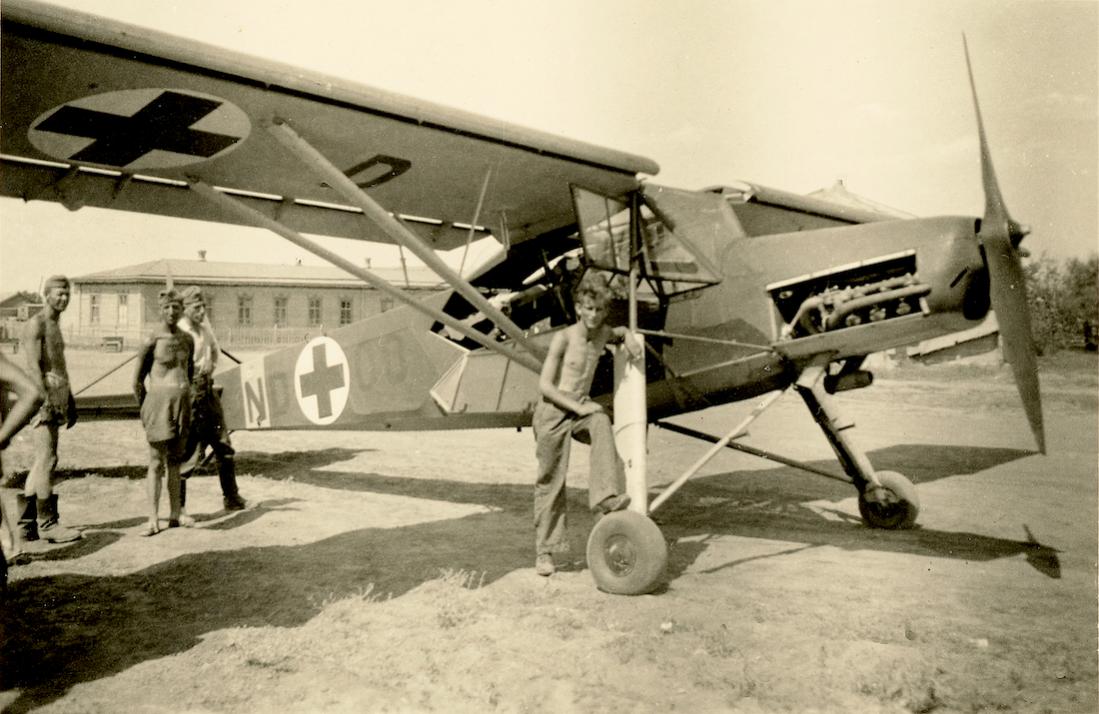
{"x":739,"y":291}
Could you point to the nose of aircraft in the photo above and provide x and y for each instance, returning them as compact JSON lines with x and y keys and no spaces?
{"x":999,"y":236}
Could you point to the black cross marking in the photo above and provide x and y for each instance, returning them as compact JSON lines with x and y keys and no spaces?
{"x":163,"y":123}
{"x":322,"y":381}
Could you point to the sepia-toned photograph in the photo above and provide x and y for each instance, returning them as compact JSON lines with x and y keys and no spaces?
{"x":568,"y":357}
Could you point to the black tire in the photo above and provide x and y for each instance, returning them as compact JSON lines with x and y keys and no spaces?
{"x":627,"y":554}
{"x":900,"y":507}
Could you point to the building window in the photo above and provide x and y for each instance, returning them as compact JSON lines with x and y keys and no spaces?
{"x":93,"y":309}
{"x":280,"y":311}
{"x":314,"y":311}
{"x":244,"y":310}
{"x":345,"y":311}
{"x":123,"y":309}
{"x":385,"y":303}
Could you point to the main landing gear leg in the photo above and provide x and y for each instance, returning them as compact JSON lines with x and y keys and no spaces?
{"x":886,"y":498}
{"x":627,"y":553}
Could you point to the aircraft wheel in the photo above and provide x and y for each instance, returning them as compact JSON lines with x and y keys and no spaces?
{"x":627,"y":553}
{"x":897,"y":507}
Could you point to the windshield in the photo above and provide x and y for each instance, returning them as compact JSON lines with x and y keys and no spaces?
{"x":670,"y":262}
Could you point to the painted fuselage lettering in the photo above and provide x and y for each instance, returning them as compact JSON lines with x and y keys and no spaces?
{"x":253,"y":395}
{"x":255,"y":403}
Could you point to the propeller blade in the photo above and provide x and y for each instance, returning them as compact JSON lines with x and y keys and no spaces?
{"x":1008,"y":289}
{"x":1000,"y":235}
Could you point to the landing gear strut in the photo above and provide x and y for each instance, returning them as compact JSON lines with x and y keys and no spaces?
{"x":886,"y":498}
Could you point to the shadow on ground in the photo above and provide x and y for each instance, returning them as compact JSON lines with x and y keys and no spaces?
{"x":66,"y":629}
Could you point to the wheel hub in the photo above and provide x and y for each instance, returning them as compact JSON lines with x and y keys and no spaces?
{"x":620,"y":555}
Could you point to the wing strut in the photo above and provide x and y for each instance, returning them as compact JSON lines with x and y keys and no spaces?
{"x":476,"y":218}
{"x":254,"y":217}
{"x":393,"y":228}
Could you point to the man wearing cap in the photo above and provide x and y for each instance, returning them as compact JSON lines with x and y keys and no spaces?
{"x":45,"y":353}
{"x":207,"y":419}
{"x":166,"y":360}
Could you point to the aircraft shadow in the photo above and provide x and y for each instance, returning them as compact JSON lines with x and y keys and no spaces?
{"x":770,"y":504}
{"x":99,"y":626}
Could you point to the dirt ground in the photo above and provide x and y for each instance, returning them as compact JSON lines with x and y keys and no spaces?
{"x":392,"y":572}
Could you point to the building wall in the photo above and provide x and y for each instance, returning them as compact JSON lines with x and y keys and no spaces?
{"x":224,"y":311}
{"x":142,"y":312}
{"x":98,"y":311}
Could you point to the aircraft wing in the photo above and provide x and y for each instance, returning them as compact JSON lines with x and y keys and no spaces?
{"x":100,"y":113}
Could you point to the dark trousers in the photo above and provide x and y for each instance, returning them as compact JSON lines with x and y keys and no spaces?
{"x":208,"y":429}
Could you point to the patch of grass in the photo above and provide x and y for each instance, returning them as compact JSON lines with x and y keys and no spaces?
{"x":364,"y":593}
{"x":465,"y":579}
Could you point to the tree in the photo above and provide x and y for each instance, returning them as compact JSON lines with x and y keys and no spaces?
{"x":1064,"y":301}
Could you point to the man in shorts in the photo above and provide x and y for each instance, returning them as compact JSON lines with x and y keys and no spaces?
{"x":45,"y":356}
{"x":166,"y":361}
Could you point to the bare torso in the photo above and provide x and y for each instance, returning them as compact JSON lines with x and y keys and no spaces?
{"x":49,"y":358}
{"x":166,"y":359}
{"x":171,"y":356}
{"x":581,"y":355}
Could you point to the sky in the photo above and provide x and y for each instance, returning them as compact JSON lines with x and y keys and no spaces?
{"x":792,"y":94}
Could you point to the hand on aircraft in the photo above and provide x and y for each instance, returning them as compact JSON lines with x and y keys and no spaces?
{"x":633,"y":347}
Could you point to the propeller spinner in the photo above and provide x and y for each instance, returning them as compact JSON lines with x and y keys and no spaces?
{"x":999,"y":236}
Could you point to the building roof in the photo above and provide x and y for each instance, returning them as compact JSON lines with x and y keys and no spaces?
{"x":15,"y":299}
{"x":217,"y":272}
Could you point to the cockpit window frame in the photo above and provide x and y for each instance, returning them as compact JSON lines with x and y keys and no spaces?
{"x":663,"y":283}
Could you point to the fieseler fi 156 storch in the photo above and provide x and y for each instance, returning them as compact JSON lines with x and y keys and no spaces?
{"x":739,"y":292}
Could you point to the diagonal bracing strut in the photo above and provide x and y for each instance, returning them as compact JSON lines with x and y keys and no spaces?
{"x":256,"y":218}
{"x":324,"y":168}
{"x":718,"y":446}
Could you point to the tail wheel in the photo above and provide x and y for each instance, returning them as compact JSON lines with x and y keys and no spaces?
{"x":893,"y":506}
{"x":627,"y":554}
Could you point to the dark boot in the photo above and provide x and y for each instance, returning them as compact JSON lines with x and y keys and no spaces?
{"x":28,"y":515}
{"x":182,"y":493}
{"x":227,"y":475}
{"x":49,"y":523}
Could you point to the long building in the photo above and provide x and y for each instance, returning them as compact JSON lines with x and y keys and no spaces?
{"x":248,"y":303}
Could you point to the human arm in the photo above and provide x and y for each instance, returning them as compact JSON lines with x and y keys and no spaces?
{"x":624,"y":337}
{"x":144,"y":365}
{"x":70,"y":412}
{"x":29,"y":399}
{"x":215,"y":354}
{"x":547,"y":381}
{"x":31,"y":341}
{"x":190,"y":345}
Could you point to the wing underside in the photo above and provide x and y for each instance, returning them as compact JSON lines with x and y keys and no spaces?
{"x":98,"y":113}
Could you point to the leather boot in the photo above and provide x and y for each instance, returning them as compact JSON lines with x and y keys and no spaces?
{"x":28,"y":515}
{"x":227,"y":475}
{"x":49,"y":524}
